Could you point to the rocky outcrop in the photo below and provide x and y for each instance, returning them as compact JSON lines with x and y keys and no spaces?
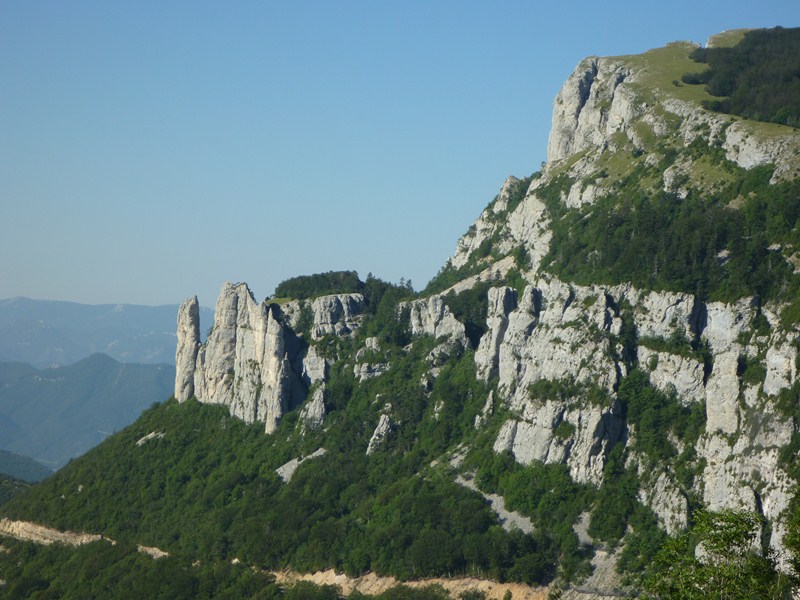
{"x":287,"y":470}
{"x":431,"y":316}
{"x":569,"y":333}
{"x":676,"y":374}
{"x":552,"y":433}
{"x":313,"y":413}
{"x":601,"y":100}
{"x":591,"y":106}
{"x":153,"y":435}
{"x":556,"y":332}
{"x":369,"y":360}
{"x":31,"y":532}
{"x":336,"y":315}
{"x":667,"y":501}
{"x":501,"y":302}
{"x":525,"y":225}
{"x":382,"y":430}
{"x":781,"y":363}
{"x":246,"y":363}
{"x":315,"y":367}
{"x":188,"y":345}
{"x":485,"y":227}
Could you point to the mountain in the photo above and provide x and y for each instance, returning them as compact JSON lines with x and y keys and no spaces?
{"x":604,"y":375}
{"x":22,"y":467}
{"x":47,"y":333}
{"x":56,"y":414}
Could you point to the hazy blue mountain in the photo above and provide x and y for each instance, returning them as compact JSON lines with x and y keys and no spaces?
{"x":22,"y":467}
{"x":47,"y":333}
{"x":55,"y":414}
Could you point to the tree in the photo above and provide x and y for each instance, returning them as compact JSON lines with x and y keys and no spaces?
{"x":717,"y":559}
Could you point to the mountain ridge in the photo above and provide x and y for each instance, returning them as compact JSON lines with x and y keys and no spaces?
{"x":56,"y":414}
{"x":51,"y":333}
{"x":614,"y":413}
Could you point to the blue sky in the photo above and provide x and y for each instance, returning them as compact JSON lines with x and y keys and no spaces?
{"x":152,"y":150}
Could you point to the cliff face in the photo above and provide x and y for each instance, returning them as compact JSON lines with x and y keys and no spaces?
{"x":245,"y":363}
{"x":611,"y":115}
{"x":253,"y":362}
{"x":732,"y":362}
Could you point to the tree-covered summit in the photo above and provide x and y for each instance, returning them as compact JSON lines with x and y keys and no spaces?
{"x":758,"y":78}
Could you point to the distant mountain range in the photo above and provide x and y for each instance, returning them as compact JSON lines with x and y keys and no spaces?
{"x":47,"y":333}
{"x":22,"y":467}
{"x":56,"y":414}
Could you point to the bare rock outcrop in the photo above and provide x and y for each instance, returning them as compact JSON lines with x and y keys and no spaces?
{"x":569,"y":333}
{"x":245,"y":363}
{"x":431,"y":316}
{"x":590,"y":107}
{"x":382,"y":430}
{"x":336,"y":314}
{"x":312,"y":414}
{"x":31,"y":532}
{"x":502,"y":301}
{"x":287,"y":470}
{"x":188,"y":345}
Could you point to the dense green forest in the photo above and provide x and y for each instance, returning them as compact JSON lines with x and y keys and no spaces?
{"x":203,"y":495}
{"x":319,"y":284}
{"x":119,"y":572}
{"x":10,"y":487}
{"x":758,"y":78}
{"x":719,"y":246}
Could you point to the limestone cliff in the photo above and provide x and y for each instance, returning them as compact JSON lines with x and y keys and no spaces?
{"x":253,"y":361}
{"x":611,"y":115}
{"x":245,"y":364}
{"x":556,"y":354}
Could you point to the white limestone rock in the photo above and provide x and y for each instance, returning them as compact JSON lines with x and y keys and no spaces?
{"x":244,"y":364}
{"x":153,"y":435}
{"x":486,"y":411}
{"x":431,"y":316}
{"x":662,"y":314}
{"x":726,"y":322}
{"x":287,"y":470}
{"x":781,"y":363}
{"x":667,"y":501}
{"x":315,"y":367}
{"x":369,"y":360}
{"x":583,"y":446}
{"x":672,"y":373}
{"x":337,"y":314}
{"x":502,"y":301}
{"x":186,"y":350}
{"x":485,"y":226}
{"x":312,"y":414}
{"x":364,"y":371}
{"x":382,"y":429}
{"x":591,"y":106}
{"x":600,"y":99}
{"x":555,"y":333}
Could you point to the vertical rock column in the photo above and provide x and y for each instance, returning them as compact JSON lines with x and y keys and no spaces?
{"x":186,"y":351}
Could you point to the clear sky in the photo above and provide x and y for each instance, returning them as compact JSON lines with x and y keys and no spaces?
{"x":150,"y":151}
